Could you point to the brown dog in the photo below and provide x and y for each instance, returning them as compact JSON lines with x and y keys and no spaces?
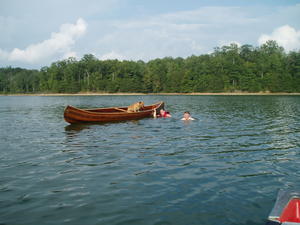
{"x":135,"y":107}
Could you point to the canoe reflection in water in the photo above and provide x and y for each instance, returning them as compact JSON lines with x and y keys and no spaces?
{"x":78,"y":127}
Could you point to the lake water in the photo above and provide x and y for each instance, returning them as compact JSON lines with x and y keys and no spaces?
{"x":223,"y":169}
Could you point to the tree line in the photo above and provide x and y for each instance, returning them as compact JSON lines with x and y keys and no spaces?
{"x":227,"y":69}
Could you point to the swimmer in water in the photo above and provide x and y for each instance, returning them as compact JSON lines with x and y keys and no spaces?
{"x":162,"y":114}
{"x":187,"y":116}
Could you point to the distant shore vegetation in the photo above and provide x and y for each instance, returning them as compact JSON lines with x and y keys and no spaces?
{"x":232,"y":68}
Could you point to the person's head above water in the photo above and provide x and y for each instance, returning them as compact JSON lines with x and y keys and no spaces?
{"x":163,"y":113}
{"x":187,"y":116}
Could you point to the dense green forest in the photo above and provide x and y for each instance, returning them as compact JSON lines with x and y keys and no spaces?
{"x":229,"y":68}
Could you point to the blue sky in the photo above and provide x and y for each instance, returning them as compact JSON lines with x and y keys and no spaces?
{"x":34,"y":33}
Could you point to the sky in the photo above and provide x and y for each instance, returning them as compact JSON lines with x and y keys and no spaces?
{"x":35,"y":33}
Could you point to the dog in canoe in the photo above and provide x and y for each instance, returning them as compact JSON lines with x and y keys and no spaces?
{"x":135,"y":107}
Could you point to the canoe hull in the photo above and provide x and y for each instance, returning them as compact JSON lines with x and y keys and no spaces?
{"x":74,"y":115}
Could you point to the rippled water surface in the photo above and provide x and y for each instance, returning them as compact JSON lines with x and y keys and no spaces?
{"x":224,"y":168}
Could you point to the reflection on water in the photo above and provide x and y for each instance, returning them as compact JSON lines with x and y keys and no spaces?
{"x":224,"y":168}
{"x":75,"y":128}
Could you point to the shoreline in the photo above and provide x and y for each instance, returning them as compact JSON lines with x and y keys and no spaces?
{"x":171,"y":94}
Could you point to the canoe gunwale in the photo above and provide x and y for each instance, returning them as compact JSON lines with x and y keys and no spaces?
{"x":94,"y":112}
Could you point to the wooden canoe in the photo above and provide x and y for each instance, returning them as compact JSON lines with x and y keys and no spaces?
{"x":114,"y":114}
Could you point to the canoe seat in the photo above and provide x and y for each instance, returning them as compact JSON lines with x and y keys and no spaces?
{"x":122,"y":110}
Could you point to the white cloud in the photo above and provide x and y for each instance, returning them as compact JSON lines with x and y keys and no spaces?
{"x":228,"y":43}
{"x":286,"y":36}
{"x":112,"y":55}
{"x":184,"y":33}
{"x":60,"y":43}
{"x":180,"y":33}
{"x":70,"y":54}
{"x":115,"y":32}
{"x":218,"y":15}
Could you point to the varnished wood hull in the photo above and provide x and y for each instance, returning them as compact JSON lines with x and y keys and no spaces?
{"x":114,"y":114}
